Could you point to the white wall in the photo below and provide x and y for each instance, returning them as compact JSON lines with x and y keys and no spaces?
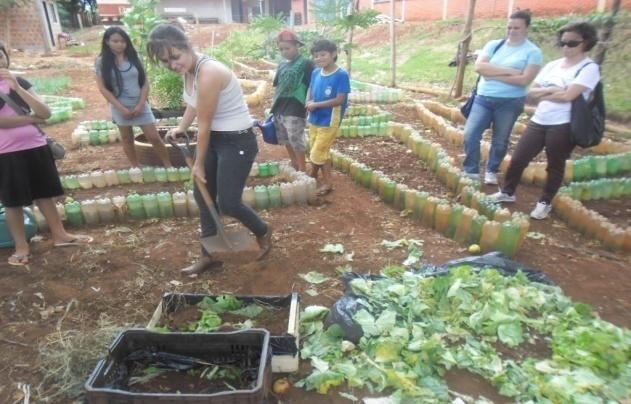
{"x":201,"y":8}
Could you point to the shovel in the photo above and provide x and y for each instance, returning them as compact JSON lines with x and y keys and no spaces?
{"x":223,"y":241}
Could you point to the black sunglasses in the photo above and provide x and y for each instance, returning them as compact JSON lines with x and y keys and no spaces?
{"x":569,"y":44}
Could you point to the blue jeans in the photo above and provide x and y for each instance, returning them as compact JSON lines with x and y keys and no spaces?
{"x":503,"y":113}
{"x":228,"y":162}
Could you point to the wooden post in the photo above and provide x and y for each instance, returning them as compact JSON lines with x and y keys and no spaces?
{"x":464,"y":49}
{"x":393,"y":53}
{"x":605,"y":34}
{"x":445,"y":5}
{"x":602,"y":5}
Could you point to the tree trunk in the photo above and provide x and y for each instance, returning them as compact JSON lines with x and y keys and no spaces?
{"x":605,"y":34}
{"x":349,"y":51}
{"x":464,"y":49}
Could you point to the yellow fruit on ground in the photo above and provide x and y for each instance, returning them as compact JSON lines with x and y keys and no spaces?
{"x":281,"y":386}
{"x":474,"y":249}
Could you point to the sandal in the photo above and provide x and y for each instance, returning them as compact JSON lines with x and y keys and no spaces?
{"x":19,"y":260}
{"x":324,"y":190}
{"x":77,"y":241}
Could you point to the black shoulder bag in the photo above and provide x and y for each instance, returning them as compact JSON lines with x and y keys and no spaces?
{"x":56,"y":148}
{"x":587,"y":122}
{"x":465,"y":109}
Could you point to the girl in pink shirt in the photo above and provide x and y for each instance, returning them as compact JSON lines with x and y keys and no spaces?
{"x":27,"y":169}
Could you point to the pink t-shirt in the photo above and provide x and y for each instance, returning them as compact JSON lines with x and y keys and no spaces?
{"x":20,"y":138}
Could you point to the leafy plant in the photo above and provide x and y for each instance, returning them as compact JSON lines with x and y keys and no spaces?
{"x":166,"y":85}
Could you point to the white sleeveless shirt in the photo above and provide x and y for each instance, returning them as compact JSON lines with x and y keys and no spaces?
{"x":232,"y":112}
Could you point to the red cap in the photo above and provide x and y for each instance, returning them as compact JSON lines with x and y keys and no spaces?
{"x":288,"y":36}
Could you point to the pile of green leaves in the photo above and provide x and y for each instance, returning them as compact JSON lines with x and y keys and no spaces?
{"x":417,"y":327}
{"x":212,"y":308}
{"x":52,"y":85}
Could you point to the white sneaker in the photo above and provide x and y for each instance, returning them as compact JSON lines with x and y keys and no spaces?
{"x":541,"y":211}
{"x":473,"y":176}
{"x":502,"y":197}
{"x":490,"y":178}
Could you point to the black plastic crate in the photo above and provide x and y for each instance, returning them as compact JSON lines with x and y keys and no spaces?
{"x":240,"y":347}
{"x":285,"y":357}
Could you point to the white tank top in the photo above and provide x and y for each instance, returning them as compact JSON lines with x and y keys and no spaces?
{"x":232,"y":112}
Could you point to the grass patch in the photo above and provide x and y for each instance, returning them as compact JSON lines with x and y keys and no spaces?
{"x":53,"y":85}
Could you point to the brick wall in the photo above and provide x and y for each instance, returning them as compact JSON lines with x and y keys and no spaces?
{"x":22,"y":27}
{"x":417,"y":10}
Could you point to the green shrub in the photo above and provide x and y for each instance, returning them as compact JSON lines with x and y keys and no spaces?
{"x":53,"y":85}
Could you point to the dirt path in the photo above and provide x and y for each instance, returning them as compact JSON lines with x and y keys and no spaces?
{"x":121,"y":277}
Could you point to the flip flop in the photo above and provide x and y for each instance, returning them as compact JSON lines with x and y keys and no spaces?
{"x":77,"y":241}
{"x":19,"y":260}
{"x":324,"y":190}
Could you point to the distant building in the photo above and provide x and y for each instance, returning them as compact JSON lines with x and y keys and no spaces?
{"x":112,"y":10}
{"x":221,"y":11}
{"x":32,"y":26}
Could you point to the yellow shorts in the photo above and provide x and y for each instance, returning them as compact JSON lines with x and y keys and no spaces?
{"x":321,"y":138}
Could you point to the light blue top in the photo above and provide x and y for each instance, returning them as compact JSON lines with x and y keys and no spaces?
{"x":516,"y":57}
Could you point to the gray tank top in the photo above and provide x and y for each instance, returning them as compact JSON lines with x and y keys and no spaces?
{"x":232,"y":112}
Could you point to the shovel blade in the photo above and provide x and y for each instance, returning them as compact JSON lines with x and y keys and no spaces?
{"x":235,"y":241}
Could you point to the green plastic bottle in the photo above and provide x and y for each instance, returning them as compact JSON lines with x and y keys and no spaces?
{"x":261,"y":196}
{"x":104,"y":137}
{"x":264,"y":170}
{"x":600,"y":163}
{"x":123,"y":176}
{"x":165,"y":203}
{"x":161,"y":174}
{"x":93,"y":137}
{"x":454,"y":220}
{"x":476,"y":229}
{"x":148,"y":175}
{"x":613,"y":165}
{"x":172,"y":174}
{"x":274,"y":168}
{"x":134,"y":205}
{"x":74,"y":213}
{"x":420,"y":199}
{"x":508,"y":239}
{"x":365,"y":175}
{"x":184,"y":173}
{"x":72,"y":182}
{"x":150,"y":205}
{"x":388,"y":191}
{"x":275,"y":200}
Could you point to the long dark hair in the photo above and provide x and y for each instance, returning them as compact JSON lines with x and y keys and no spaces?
{"x":108,"y":58}
{"x":3,"y":49}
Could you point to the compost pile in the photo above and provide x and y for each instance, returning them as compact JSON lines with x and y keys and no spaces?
{"x":417,"y":326}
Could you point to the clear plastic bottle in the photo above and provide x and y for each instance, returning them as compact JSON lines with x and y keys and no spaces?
{"x":150,"y":205}
{"x":98,"y":179}
{"x":463,"y":230}
{"x":454,"y":220}
{"x":287,"y":193}
{"x":248,"y":197}
{"x":254,"y":171}
{"x":148,"y":174}
{"x":161,"y":174}
{"x":184,"y":173}
{"x":105,"y":208}
{"x":490,"y":233}
{"x":443,"y":213}
{"x":173,"y":174}
{"x":135,"y":175}
{"x":111,"y":179}
{"x":165,"y":203}
{"x":120,"y":207}
{"x":90,"y":211}
{"x":191,"y":204}
{"x":85,"y":181}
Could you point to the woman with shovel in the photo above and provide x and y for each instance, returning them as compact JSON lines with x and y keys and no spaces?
{"x":226,"y":144}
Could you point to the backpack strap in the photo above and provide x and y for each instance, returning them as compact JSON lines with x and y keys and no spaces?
{"x":582,"y":67}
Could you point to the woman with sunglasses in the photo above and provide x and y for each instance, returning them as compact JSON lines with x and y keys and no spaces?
{"x":559,"y":83}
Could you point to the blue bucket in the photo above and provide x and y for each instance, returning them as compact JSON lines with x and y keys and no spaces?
{"x":269,"y":130}
{"x":30,"y":227}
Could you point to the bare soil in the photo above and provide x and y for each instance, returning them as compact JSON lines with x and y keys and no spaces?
{"x":124,"y":273}
{"x":618,"y":211}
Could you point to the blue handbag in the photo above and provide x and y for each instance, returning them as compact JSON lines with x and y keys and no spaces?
{"x":269,"y":130}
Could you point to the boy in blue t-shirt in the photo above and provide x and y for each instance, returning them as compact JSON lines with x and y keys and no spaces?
{"x":327,"y":101}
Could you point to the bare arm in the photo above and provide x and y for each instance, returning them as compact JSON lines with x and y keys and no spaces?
{"x":38,"y":106}
{"x":565,"y":94}
{"x":110,"y":97}
{"x":485,"y":68}
{"x":522,"y":79}
{"x":339,"y":100}
{"x":212,"y":79}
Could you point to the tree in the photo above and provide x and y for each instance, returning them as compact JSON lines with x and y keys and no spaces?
{"x":605,"y":34}
{"x":269,"y":26}
{"x":343,"y":17}
{"x":464,"y":49}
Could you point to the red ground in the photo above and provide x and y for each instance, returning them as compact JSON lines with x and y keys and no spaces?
{"x":123,"y":274}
